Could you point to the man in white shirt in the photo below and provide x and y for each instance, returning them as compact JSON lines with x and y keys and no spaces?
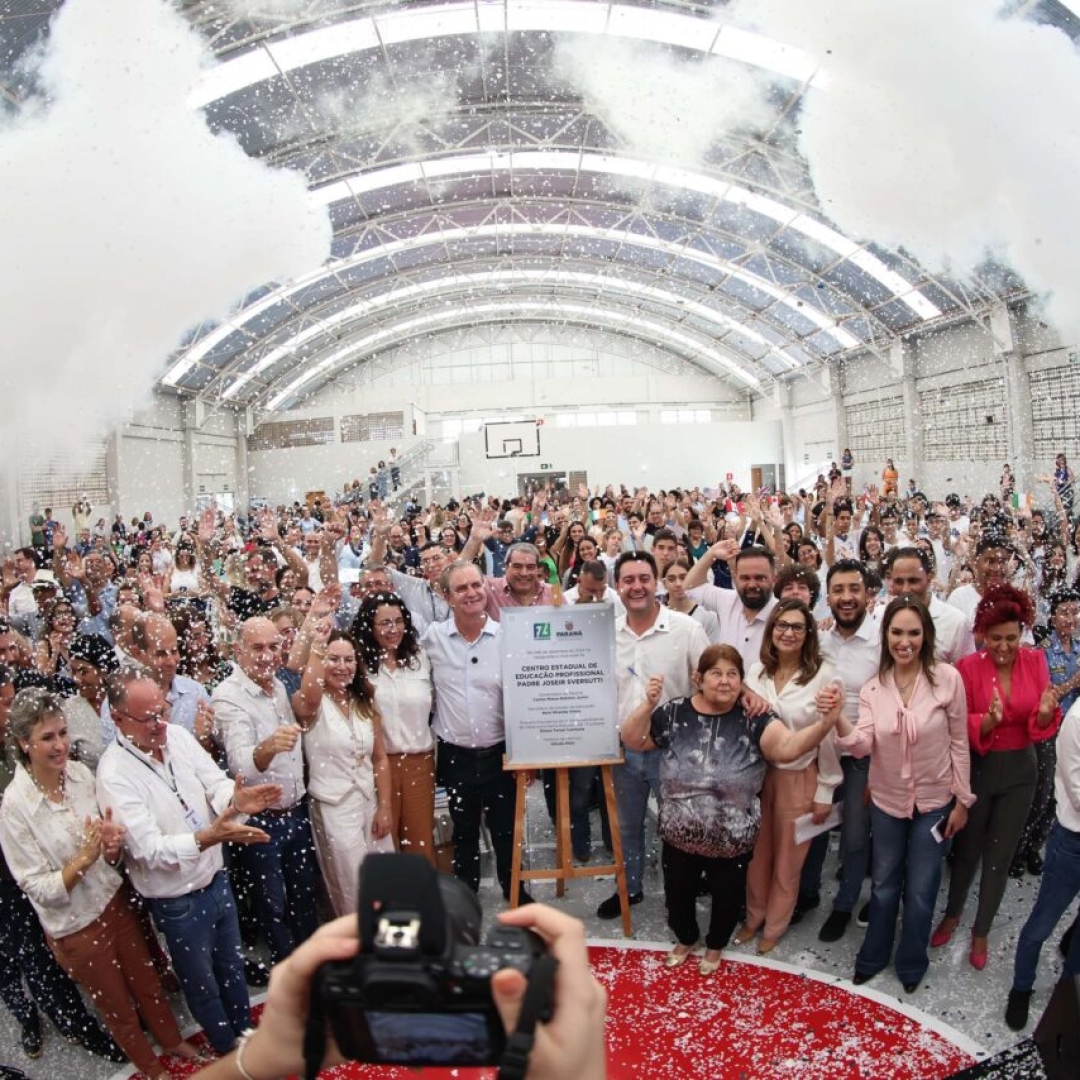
{"x":21,"y":600}
{"x":177,"y":807}
{"x":255,"y":724}
{"x":908,"y":572}
{"x":469,"y":725}
{"x":853,"y":646}
{"x":743,"y":611}
{"x":423,"y":596}
{"x":1060,"y":882}
{"x":991,"y":566}
{"x":650,"y":640}
{"x":592,"y":588}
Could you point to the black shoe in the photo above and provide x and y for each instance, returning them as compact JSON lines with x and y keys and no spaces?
{"x":1034,"y":864}
{"x":802,"y":906}
{"x":1016,"y":1011}
{"x":1016,"y":870}
{"x":31,"y":1036}
{"x":584,"y":855}
{"x":612,"y":909}
{"x":910,"y":987}
{"x":863,"y":918}
{"x":256,"y":973}
{"x":834,"y":926}
{"x":524,"y":897}
{"x":101,"y":1043}
{"x":859,"y":978}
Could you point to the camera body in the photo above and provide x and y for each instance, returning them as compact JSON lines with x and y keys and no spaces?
{"x":419,"y":992}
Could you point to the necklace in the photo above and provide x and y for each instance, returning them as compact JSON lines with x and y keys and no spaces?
{"x":51,"y":795}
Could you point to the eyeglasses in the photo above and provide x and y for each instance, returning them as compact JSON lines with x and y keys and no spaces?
{"x":795,"y":629}
{"x":154,"y":717}
{"x":390,"y":624}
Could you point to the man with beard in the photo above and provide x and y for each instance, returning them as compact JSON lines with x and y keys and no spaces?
{"x":991,"y":565}
{"x":743,"y":612}
{"x":853,"y":646}
{"x":909,"y":571}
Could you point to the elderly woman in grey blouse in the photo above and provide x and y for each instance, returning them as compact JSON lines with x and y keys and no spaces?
{"x":62,"y":853}
{"x":711,"y":774}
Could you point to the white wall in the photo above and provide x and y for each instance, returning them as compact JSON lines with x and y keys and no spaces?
{"x":659,"y":455}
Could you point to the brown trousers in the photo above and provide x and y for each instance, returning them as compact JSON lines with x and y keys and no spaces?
{"x":109,"y":959}
{"x":772,"y":881}
{"x":412,"y":803}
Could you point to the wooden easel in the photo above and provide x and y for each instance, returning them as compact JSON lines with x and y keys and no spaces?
{"x":564,"y":869}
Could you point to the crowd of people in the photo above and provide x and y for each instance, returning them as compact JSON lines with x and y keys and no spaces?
{"x":207,"y":727}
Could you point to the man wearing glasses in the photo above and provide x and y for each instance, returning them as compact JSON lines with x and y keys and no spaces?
{"x":177,"y":807}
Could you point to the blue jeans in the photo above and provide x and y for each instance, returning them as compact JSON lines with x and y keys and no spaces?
{"x":284,"y":873}
{"x":633,"y":781}
{"x":203,"y":935}
{"x":581,"y":789}
{"x":854,"y":841}
{"x":906,"y":865}
{"x":1058,"y":887}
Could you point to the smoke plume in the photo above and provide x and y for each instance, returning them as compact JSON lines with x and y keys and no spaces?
{"x":126,"y":222}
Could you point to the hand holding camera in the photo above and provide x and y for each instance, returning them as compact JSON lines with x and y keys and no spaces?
{"x":408,"y":982}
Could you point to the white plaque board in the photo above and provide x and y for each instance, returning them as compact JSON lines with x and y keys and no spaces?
{"x":558,"y":668}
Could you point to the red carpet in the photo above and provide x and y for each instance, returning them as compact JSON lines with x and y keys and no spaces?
{"x":749,"y":1021}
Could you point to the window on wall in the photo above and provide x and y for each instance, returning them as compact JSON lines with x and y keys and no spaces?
{"x":372,"y":427}
{"x":285,"y":434}
{"x":607,"y":418}
{"x":965,"y":423}
{"x":685,"y":416}
{"x":60,"y":480}
{"x":875,"y":429}
{"x":1055,"y":410}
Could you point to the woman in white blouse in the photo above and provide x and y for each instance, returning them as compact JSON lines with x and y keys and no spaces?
{"x":401,"y":674}
{"x":348,"y":778}
{"x":62,"y":854}
{"x":789,"y":676}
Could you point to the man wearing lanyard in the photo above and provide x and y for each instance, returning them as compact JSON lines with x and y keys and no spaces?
{"x":649,"y":640}
{"x":467,"y":672}
{"x":256,"y":726}
{"x":177,"y":807}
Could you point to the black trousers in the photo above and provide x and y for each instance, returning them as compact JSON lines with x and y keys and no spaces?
{"x":477,"y":787}
{"x":24,"y":954}
{"x":726,"y":879}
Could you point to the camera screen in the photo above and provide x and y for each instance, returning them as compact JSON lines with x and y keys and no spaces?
{"x":426,"y":1038}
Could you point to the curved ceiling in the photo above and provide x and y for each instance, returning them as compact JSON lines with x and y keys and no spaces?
{"x":511,"y":202}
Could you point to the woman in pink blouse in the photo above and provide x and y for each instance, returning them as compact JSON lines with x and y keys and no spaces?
{"x":1010,"y":706}
{"x":913,"y":721}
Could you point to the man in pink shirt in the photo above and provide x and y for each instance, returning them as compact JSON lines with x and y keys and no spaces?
{"x":522,"y":586}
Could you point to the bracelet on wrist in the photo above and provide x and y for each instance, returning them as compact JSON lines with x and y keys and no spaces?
{"x":241,"y":1046}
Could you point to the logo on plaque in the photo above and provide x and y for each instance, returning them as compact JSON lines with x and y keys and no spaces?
{"x":541,"y":631}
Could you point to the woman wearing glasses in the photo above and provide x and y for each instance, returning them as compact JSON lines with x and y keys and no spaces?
{"x":789,"y":676}
{"x":63,"y":854}
{"x":401,"y":674}
{"x":913,"y":725}
{"x":348,"y":775}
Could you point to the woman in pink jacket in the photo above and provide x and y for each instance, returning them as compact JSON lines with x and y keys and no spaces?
{"x":913,"y":723}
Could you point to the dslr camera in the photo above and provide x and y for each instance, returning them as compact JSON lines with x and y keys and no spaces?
{"x":419,"y":992}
